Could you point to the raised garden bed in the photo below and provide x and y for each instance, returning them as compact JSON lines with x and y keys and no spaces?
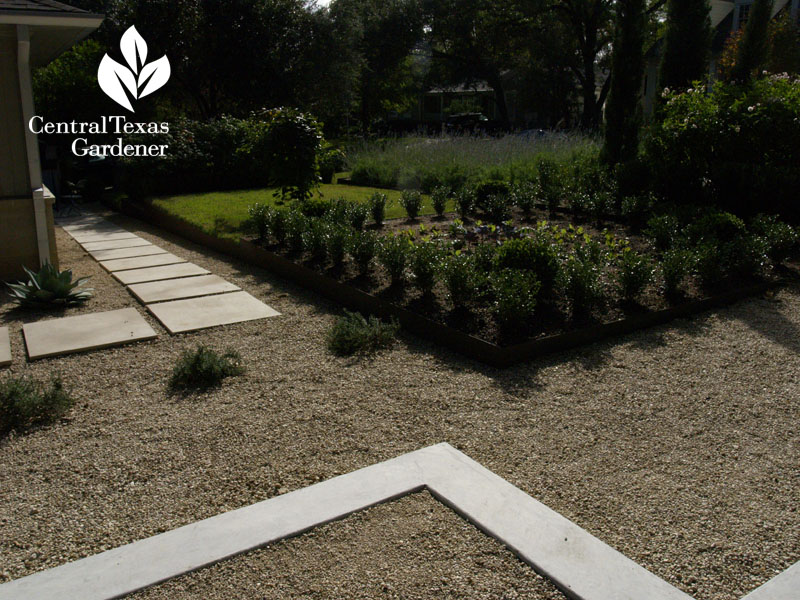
{"x":464,"y":343}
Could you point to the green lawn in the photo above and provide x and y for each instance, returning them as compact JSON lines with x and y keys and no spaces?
{"x":225,"y":213}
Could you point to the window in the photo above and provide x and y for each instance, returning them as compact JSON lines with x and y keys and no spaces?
{"x":744,"y":14}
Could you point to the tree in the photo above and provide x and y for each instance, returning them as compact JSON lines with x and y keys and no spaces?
{"x":474,"y":40}
{"x":687,"y":44}
{"x":784,"y":45}
{"x":752,"y":50}
{"x":384,"y":32}
{"x":623,"y":113}
{"x":591,"y":24}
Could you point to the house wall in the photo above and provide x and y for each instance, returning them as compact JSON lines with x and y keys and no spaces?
{"x":14,"y":178}
{"x":18,"y":241}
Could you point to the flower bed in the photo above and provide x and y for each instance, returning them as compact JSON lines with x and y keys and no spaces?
{"x":578,"y":283}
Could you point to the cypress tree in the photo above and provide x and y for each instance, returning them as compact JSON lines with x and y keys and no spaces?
{"x":752,"y":51}
{"x":687,"y":44}
{"x":623,"y":111}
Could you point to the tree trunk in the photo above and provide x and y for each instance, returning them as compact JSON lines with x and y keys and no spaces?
{"x":500,"y":100}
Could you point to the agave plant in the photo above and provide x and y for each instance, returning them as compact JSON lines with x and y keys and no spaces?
{"x":49,"y":288}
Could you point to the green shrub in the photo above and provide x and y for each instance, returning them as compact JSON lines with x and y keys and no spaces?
{"x":497,"y":209}
{"x":411,"y":201}
{"x":336,"y":242}
{"x":439,"y":197}
{"x":315,"y":239}
{"x":331,"y":161}
{"x":394,"y":254}
{"x":716,"y":226}
{"x":296,"y":224}
{"x":203,"y":368}
{"x":780,"y":238}
{"x":516,"y":294}
{"x":735,"y":146}
{"x":425,"y":260}
{"x":599,"y":205}
{"x":709,"y":264}
{"x":634,"y":274}
{"x":536,"y":254}
{"x":465,"y":202}
{"x":357,"y":215}
{"x":363,"y":247}
{"x":353,"y":334}
{"x":637,"y":209}
{"x":675,"y":266}
{"x":259,"y":216}
{"x":581,"y":281}
{"x":276,"y":224}
{"x":25,"y":403}
{"x":524,"y":196}
{"x":377,"y":207}
{"x":579,"y":202}
{"x":489,"y":190}
{"x":49,"y":288}
{"x":663,"y":230}
{"x":461,"y":279}
{"x":484,"y":255}
{"x":339,"y":211}
{"x":316,"y":207}
{"x":550,"y":183}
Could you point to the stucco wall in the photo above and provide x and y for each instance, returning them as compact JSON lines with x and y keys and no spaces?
{"x":14,"y":178}
{"x":18,"y":237}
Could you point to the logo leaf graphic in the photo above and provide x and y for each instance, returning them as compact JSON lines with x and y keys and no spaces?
{"x":111,"y":76}
{"x":132,"y":44}
{"x":154,"y":75}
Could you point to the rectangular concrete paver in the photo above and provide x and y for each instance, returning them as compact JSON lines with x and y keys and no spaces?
{"x":5,"y":347}
{"x":116,"y":253}
{"x":209,"y":311}
{"x":176,"y":289}
{"x":159,"y":273}
{"x":104,"y":236}
{"x":140,"y":262}
{"x":111,"y":244}
{"x":85,"y":332}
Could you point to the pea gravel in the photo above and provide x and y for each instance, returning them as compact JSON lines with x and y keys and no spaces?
{"x":412,"y":548}
{"x":677,"y":445}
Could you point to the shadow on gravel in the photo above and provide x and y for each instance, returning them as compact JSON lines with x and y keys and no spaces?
{"x":773,"y":324}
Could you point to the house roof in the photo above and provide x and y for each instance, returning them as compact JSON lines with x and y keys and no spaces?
{"x":52,"y":26}
{"x":39,"y":7}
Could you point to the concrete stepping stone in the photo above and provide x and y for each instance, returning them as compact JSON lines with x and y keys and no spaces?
{"x":104,"y":236}
{"x":5,"y":347}
{"x":116,"y":253}
{"x":209,"y":311}
{"x":112,"y":244}
{"x":91,"y":331}
{"x":140,"y":262}
{"x":176,"y":289}
{"x":159,"y":273}
{"x":80,"y":222}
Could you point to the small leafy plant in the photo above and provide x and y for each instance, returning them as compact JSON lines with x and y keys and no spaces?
{"x":781,"y":238}
{"x":465,"y":202}
{"x":377,"y":207}
{"x":362,"y":247}
{"x":516,"y":294}
{"x":296,"y":224}
{"x":635,"y":273}
{"x":353,"y":334}
{"x":203,"y":368}
{"x":411,"y":201}
{"x":524,"y":196}
{"x":461,"y":279}
{"x":425,"y":265}
{"x":315,"y":239}
{"x":663,"y":230}
{"x":26,"y":403}
{"x":581,"y":284}
{"x":49,"y":288}
{"x":675,"y":266}
{"x":439,"y":197}
{"x":394,"y":255}
{"x":536,"y":254}
{"x":337,"y":243}
{"x":258,"y":215}
{"x":357,"y":215}
{"x":497,"y":208}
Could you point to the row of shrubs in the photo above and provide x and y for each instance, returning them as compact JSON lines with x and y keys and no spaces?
{"x":547,"y":263}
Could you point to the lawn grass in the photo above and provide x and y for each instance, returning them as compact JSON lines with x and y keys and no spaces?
{"x":225,"y":214}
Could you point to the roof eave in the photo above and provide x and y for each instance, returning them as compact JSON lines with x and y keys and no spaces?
{"x":59,"y":19}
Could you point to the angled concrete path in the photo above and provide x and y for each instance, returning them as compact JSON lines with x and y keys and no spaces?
{"x":179,"y":316}
{"x":581,"y":565}
{"x":178,"y":289}
{"x":140,"y":262}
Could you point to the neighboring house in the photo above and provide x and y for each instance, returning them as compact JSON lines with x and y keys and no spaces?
{"x":726,"y":17}
{"x":32,"y":33}
{"x":438,"y":103}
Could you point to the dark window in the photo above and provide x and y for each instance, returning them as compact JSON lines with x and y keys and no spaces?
{"x":744,"y":14}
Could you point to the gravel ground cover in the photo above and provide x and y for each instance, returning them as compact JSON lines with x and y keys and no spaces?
{"x":412,"y":548}
{"x":677,"y":445}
